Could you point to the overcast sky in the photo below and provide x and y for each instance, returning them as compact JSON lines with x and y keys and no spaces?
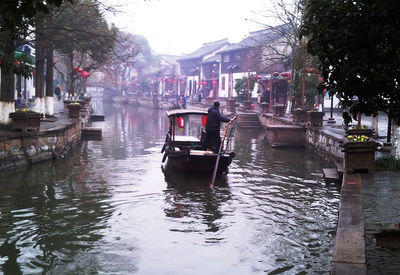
{"x":182,"y":26}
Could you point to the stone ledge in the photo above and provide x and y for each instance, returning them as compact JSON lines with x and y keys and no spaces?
{"x":349,"y":253}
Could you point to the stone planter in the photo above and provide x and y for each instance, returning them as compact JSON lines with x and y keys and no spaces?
{"x":73,"y":110}
{"x":300,"y":116}
{"x":247,"y":105}
{"x":359,"y":156}
{"x":25,"y":121}
{"x":360,"y":132}
{"x":279,"y":110}
{"x":315,"y":118}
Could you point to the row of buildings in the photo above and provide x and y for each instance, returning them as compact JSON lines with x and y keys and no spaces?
{"x":211,"y":70}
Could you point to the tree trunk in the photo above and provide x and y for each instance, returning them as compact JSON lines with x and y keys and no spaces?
{"x":49,"y":81}
{"x":39,"y":66}
{"x":396,"y":141}
{"x":7,"y":97}
{"x":39,"y":83}
{"x":69,"y":61}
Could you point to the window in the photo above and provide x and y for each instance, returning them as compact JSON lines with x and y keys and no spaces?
{"x":226,"y":58}
{"x":223,"y":83}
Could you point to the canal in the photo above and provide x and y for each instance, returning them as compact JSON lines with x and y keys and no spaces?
{"x":112,"y":207}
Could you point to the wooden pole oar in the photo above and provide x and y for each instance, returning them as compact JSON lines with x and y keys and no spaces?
{"x":220,"y":149}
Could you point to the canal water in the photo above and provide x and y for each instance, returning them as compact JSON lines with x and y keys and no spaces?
{"x":112,"y":207}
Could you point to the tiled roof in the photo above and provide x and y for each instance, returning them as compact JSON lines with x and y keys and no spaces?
{"x":214,"y":58}
{"x":207,"y":48}
{"x":255,"y":39}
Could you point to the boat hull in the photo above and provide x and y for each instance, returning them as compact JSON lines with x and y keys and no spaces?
{"x":198,"y":164}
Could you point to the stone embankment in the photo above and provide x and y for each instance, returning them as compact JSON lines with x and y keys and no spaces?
{"x":54,"y":140}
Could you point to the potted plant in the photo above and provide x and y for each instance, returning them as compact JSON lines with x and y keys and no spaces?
{"x":359,"y":130}
{"x":359,"y":153}
{"x":25,"y":119}
{"x":315,"y":117}
{"x":74,"y":109}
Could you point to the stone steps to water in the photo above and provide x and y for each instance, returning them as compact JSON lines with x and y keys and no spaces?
{"x":249,"y":120}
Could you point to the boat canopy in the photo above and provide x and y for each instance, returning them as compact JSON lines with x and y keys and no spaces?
{"x":182,"y":112}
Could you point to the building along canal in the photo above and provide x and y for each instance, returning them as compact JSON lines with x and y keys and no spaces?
{"x":112,"y":207}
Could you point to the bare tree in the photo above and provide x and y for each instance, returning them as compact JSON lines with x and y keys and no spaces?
{"x":281,"y":43}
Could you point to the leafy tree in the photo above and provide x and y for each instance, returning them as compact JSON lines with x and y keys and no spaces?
{"x":286,"y":47}
{"x":311,"y":82}
{"x":16,"y":22}
{"x":241,"y":88}
{"x":358,"y":46}
{"x":82,"y":38}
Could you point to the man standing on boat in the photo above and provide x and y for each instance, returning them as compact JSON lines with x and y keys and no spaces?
{"x":214,"y":118}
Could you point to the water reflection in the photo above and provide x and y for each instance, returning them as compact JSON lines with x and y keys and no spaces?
{"x":192,"y":198}
{"x":60,"y":206}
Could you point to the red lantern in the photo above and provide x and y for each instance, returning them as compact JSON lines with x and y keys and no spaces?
{"x":169,"y":80}
{"x":204,"y":82}
{"x":174,"y":81}
{"x":181,"y":122}
{"x":80,"y":70}
{"x":214,"y":82}
{"x":204,"y":120}
{"x":182,"y":82}
{"x":84,"y":74}
{"x":74,"y":68}
{"x":199,"y":83}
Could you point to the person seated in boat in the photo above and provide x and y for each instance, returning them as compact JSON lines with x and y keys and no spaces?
{"x":214,"y":119}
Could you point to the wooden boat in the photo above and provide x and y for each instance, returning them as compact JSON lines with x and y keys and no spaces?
{"x":188,"y":153}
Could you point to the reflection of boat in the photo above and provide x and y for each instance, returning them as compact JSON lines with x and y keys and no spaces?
{"x":179,"y":181}
{"x":188,"y":153}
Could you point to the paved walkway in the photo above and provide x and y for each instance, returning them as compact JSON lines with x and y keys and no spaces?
{"x":380,"y":197}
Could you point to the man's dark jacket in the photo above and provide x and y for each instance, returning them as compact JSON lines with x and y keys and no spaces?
{"x":213,"y":120}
